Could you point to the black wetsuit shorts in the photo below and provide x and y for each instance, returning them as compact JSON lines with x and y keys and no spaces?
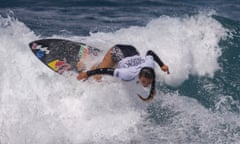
{"x":119,"y":52}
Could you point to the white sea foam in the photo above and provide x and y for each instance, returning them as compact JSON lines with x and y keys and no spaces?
{"x":188,"y":45}
{"x":40,"y":106}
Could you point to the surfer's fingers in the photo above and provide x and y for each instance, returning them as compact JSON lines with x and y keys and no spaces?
{"x":165,"y":69}
{"x":82,"y":76}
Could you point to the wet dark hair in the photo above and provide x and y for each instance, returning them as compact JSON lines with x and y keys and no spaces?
{"x":149,"y":73}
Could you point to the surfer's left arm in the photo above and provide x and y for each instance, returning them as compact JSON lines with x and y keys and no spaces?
{"x":85,"y":75}
{"x":158,"y":61}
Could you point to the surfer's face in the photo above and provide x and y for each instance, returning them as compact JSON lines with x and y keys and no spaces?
{"x":145,"y":82}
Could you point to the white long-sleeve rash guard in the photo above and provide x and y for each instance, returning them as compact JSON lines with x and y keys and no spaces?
{"x":129,"y":67}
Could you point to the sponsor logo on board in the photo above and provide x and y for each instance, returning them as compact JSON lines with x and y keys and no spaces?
{"x":83,"y":51}
{"x":35,"y":46}
{"x":59,"y":65}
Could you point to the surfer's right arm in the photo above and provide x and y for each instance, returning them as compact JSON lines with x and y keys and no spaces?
{"x":123,"y":73}
{"x":85,"y":75}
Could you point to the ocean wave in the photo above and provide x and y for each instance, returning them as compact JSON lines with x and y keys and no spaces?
{"x":40,"y":106}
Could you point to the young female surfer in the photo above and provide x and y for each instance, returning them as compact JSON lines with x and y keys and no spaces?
{"x":125,"y":62}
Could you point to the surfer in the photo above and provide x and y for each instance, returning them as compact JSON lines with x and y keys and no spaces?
{"x":125,"y":62}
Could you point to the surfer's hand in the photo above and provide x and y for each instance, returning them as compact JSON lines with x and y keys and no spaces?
{"x":82,"y":76}
{"x":165,"y":69}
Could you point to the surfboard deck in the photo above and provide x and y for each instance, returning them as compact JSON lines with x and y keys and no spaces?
{"x":62,"y":55}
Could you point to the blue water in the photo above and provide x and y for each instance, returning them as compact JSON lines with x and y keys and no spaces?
{"x":198,"y":103}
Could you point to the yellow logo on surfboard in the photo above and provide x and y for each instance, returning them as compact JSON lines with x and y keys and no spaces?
{"x":59,"y":65}
{"x":52,"y":65}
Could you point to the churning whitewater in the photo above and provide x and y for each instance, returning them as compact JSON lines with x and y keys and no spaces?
{"x":41,"y":107}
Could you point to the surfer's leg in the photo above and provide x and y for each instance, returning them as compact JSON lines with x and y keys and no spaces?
{"x":110,"y":60}
{"x":105,"y":63}
{"x":112,"y":57}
